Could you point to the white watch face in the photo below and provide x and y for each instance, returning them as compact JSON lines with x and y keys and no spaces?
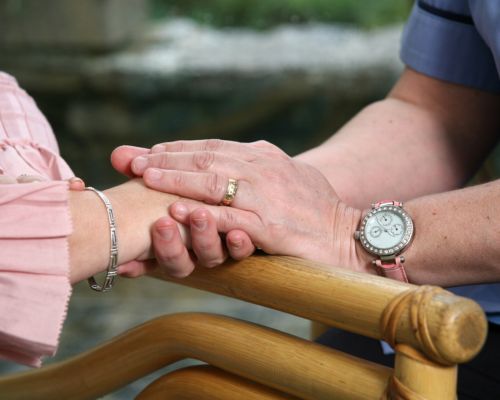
{"x":386,"y":230}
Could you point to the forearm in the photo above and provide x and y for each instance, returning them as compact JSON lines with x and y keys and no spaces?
{"x":136,"y":208}
{"x":427,"y":136}
{"x":381,"y":153}
{"x":456,"y":237}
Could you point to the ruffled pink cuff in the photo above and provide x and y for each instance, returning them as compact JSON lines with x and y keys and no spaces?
{"x":34,"y":269}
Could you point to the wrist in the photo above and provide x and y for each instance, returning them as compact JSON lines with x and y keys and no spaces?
{"x":89,"y":242}
{"x":130,"y":244}
{"x":346,"y":252}
{"x":136,"y":208}
{"x":363,"y":261}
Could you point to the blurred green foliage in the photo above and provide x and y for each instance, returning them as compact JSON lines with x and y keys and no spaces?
{"x":263,"y":14}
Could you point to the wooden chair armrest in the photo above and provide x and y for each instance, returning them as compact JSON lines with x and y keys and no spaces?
{"x":348,"y":300}
{"x":285,"y":363}
{"x":208,"y":383}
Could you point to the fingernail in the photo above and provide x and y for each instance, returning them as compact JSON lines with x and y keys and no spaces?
{"x":166,"y":233}
{"x":200,"y":223}
{"x":152,"y":174}
{"x":139,"y":164}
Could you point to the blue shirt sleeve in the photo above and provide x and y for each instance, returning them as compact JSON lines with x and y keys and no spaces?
{"x":441,"y":40}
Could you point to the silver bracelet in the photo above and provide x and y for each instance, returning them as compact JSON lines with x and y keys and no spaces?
{"x":111,"y":271}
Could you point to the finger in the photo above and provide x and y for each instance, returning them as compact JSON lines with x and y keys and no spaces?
{"x":134,"y":269}
{"x":205,"y":239}
{"x":195,"y":161}
{"x":7,"y":180}
{"x":121,"y":158}
{"x":180,"y":212}
{"x":28,"y":178}
{"x":230,"y":148}
{"x":203,"y":186}
{"x":170,"y":251}
{"x":227,"y":219}
{"x":239,"y":244}
{"x":76,"y":184}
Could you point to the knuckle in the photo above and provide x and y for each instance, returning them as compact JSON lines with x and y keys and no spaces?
{"x":203,"y":160}
{"x":228,"y":220}
{"x":170,"y":257}
{"x":178,"y":181}
{"x":163,"y":160}
{"x":205,"y":247}
{"x":214,"y":186}
{"x":262,"y":143}
{"x":177,"y":145}
{"x":158,"y":148}
{"x":271,"y":149}
{"x":213,"y":144}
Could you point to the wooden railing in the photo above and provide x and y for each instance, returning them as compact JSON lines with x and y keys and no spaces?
{"x":431,"y":329}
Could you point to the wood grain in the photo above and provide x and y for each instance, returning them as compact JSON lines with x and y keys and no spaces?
{"x":207,"y":383}
{"x":268,"y":357}
{"x":343,"y":299}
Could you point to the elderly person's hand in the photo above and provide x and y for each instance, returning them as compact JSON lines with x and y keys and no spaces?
{"x":207,"y":248}
{"x":284,"y":205}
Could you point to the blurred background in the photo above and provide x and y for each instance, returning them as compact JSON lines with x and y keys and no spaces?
{"x":108,"y":72}
{"x":112,"y":72}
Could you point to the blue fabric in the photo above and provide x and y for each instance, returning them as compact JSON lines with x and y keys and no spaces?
{"x":438,"y":43}
{"x":457,"y":52}
{"x":488,"y":296}
{"x":494,"y":318}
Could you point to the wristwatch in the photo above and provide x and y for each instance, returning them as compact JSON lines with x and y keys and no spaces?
{"x":386,"y":231}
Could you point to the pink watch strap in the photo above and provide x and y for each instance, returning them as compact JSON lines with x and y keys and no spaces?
{"x":393,"y":270}
{"x":393,"y":202}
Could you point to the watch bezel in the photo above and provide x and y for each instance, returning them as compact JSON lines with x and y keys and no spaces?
{"x":395,"y":250}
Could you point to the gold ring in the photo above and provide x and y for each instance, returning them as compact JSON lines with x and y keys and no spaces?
{"x":232,"y":188}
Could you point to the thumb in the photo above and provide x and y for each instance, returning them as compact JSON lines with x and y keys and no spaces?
{"x":121,"y":158}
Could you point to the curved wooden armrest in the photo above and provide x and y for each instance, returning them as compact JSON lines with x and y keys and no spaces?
{"x":286,"y":363}
{"x":345,"y":299}
{"x":208,"y":383}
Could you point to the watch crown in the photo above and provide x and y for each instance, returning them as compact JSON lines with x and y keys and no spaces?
{"x":357,"y":235}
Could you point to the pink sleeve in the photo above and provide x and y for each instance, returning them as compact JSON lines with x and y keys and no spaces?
{"x":34,"y":227}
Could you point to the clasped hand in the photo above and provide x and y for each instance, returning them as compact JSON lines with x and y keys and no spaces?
{"x":282,"y":205}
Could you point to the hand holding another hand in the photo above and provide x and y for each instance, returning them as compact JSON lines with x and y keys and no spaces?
{"x":284,"y":205}
{"x":170,"y":250}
